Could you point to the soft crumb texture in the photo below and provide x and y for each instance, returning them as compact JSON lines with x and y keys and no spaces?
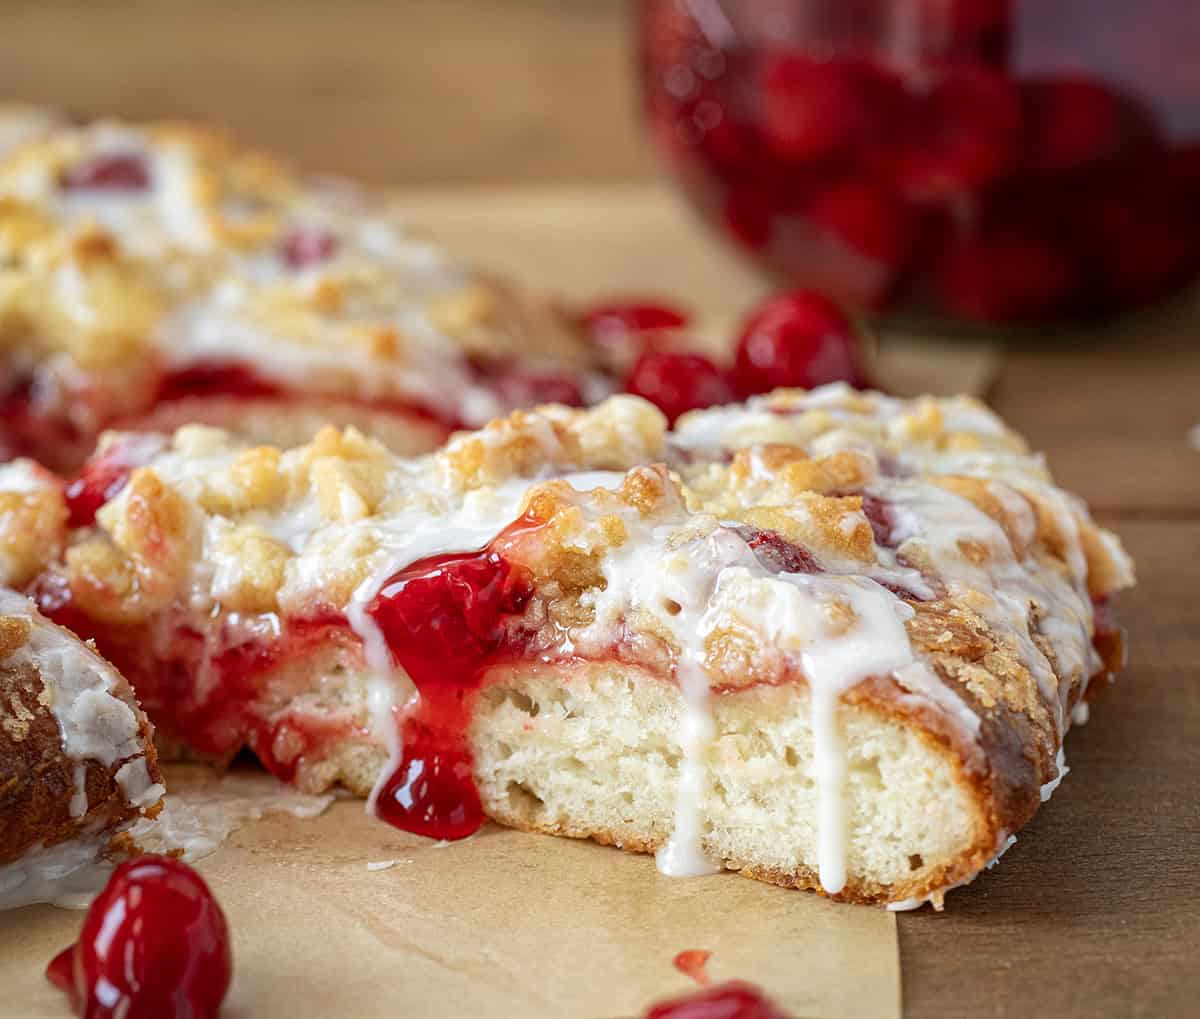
{"x":830,"y":639}
{"x":142,"y":266}
{"x":594,"y":752}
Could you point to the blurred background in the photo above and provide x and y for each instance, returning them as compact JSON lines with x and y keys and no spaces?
{"x":406,"y":93}
{"x":490,"y":102}
{"x":954,"y":164}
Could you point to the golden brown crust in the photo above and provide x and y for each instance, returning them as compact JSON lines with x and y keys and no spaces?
{"x":38,"y":781}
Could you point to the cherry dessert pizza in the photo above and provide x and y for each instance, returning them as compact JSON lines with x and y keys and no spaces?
{"x":152,"y":276}
{"x":829,"y":639}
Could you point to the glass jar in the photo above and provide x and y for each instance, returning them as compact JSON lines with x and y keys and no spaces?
{"x":992,"y":161}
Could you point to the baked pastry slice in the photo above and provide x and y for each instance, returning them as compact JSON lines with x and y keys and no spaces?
{"x":152,"y":276}
{"x":832,"y":640}
{"x":77,"y":760}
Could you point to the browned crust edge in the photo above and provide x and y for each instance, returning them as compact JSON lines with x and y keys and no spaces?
{"x":37,"y":780}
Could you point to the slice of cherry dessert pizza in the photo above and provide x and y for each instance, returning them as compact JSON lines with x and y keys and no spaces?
{"x":829,"y":639}
{"x":159,"y":275}
{"x":77,"y":760}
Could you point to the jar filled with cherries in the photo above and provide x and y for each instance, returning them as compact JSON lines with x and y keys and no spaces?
{"x":988,"y":161}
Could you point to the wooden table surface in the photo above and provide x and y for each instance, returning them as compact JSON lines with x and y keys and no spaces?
{"x":1095,"y":910}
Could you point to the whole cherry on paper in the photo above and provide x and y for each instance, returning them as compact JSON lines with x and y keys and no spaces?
{"x":796,"y":339}
{"x":154,"y":944}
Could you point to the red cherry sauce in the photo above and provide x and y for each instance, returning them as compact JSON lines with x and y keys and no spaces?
{"x":116,"y":171}
{"x":733,"y":1000}
{"x":216,"y":378}
{"x":446,"y":619}
{"x":692,"y":962}
{"x":208,"y":690}
{"x":102,"y":479}
{"x":518,"y":386}
{"x":154,"y":944}
{"x":776,"y":553}
{"x":235,"y":380}
{"x":304,"y":247}
{"x":25,"y":430}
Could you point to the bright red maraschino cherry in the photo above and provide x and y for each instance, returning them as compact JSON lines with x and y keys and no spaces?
{"x":443,"y":619}
{"x":733,"y":1000}
{"x":677,"y":382}
{"x":798,"y":339}
{"x":154,"y":945}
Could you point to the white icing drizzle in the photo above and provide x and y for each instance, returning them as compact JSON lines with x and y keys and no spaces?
{"x":706,"y":582}
{"x":1061,"y":769}
{"x":682,"y":855}
{"x":403,"y":540}
{"x":201,"y":814}
{"x":79,"y":798}
{"x":68,"y":874}
{"x":80,"y":688}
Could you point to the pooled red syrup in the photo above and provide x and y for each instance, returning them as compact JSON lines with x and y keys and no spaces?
{"x":154,"y":945}
{"x":692,"y":962}
{"x":446,"y":618}
{"x":733,"y":1000}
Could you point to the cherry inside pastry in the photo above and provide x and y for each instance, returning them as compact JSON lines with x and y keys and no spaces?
{"x":156,"y":276}
{"x":829,"y":639}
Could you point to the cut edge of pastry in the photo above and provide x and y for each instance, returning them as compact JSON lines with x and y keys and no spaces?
{"x":77,"y":756}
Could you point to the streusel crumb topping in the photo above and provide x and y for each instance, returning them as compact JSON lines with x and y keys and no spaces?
{"x":799,"y":520}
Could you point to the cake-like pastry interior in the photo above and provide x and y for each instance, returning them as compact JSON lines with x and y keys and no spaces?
{"x":77,"y":760}
{"x":160,"y":274}
{"x":828,"y":639}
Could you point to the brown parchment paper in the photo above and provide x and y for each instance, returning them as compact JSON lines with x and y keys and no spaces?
{"x":504,"y":924}
{"x":508,"y":924}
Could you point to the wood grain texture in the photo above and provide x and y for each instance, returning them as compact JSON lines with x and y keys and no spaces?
{"x":398,"y":92}
{"x":1093,"y":911}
